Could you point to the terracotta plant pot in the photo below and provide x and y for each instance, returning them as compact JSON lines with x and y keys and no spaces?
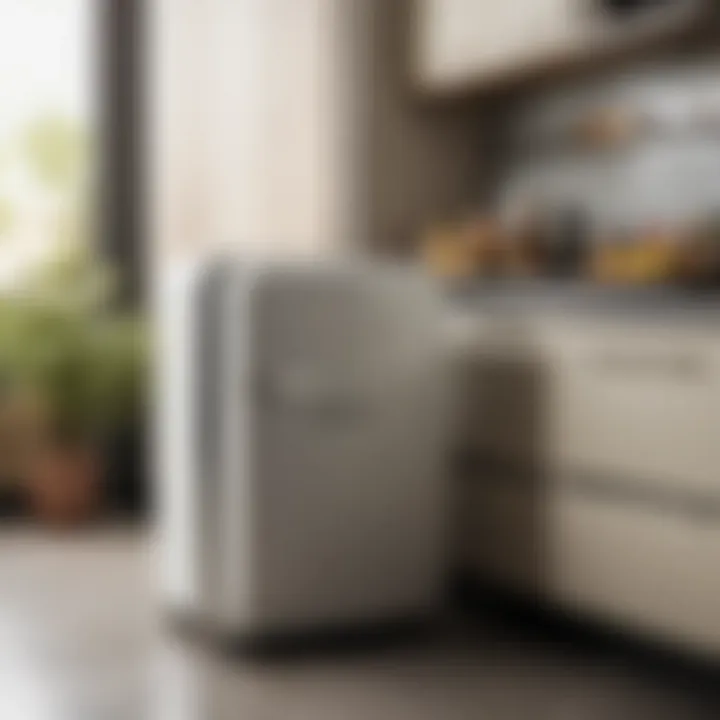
{"x":64,"y":487}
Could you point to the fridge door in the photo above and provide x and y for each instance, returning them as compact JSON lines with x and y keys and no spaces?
{"x":349,"y":424}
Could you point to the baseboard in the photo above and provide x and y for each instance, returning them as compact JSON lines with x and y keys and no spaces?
{"x":536,"y":618}
{"x":12,"y":505}
{"x":333,"y":639}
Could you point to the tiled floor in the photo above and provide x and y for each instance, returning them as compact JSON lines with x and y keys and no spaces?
{"x":80,"y":640}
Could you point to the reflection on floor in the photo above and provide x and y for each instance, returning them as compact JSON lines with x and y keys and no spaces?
{"x":80,"y":640}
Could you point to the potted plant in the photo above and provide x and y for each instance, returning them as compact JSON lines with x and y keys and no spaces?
{"x":75,"y":366}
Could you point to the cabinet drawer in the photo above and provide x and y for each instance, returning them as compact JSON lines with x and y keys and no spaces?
{"x":642,"y":407}
{"x":654,"y":572}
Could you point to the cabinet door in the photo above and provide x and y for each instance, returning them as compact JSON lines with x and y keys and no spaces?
{"x":462,"y":39}
{"x":471,"y":41}
{"x":653,"y":571}
{"x":636,"y":405}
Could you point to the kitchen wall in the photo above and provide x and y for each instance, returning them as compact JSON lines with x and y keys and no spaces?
{"x":290,"y":127}
{"x":667,"y":177}
{"x":427,"y":162}
{"x":247,"y":108}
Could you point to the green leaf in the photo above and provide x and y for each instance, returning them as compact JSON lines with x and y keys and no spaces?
{"x":60,"y":342}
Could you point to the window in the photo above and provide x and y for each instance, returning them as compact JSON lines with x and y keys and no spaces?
{"x":46,"y":129}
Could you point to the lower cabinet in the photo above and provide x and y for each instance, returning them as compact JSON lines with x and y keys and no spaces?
{"x":646,"y":570}
{"x":641,"y":404}
{"x":622,"y":426}
{"x":653,"y":571}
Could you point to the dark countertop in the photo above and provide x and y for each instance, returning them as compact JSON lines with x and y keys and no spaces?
{"x":566,"y":296}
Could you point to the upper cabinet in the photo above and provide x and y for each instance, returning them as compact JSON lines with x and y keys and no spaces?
{"x":468,"y":44}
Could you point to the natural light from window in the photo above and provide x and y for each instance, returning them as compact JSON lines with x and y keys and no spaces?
{"x":46,"y":121}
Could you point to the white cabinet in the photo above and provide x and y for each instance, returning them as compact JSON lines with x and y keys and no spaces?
{"x":464,"y":39}
{"x":463,"y":42}
{"x":635,"y":404}
{"x":634,"y":475}
{"x":652,"y":571}
{"x":603,"y":490}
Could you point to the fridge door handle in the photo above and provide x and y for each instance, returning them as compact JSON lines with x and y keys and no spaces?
{"x":309,"y":394}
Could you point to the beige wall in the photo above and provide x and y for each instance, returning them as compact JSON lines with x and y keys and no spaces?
{"x":246,"y":124}
{"x":177,"y":141}
{"x":287,"y":126}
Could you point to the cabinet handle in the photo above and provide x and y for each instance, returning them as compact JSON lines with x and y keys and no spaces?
{"x":638,"y":366}
{"x":697,"y":508}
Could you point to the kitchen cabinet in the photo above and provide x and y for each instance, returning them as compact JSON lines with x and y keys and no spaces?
{"x":647,"y":569}
{"x":468,"y":43}
{"x":636,"y":404}
{"x":476,"y":39}
{"x":597,"y":484}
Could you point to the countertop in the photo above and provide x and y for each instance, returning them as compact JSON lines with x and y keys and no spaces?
{"x":573,"y":297}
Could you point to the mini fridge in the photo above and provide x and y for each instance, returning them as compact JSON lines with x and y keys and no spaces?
{"x":303,"y":423}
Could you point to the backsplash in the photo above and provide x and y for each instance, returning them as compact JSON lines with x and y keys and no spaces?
{"x":666,"y":177}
